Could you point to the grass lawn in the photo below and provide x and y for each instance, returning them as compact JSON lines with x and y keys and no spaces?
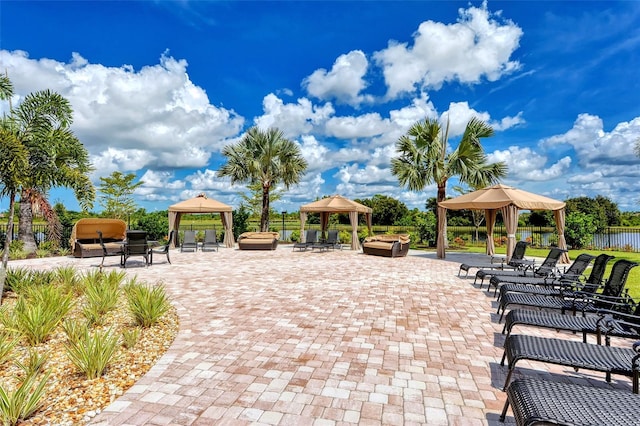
{"x":633,"y":282}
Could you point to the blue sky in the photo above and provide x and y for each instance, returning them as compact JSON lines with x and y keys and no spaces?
{"x":159,"y":88}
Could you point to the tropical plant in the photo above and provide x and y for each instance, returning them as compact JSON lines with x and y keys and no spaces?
{"x":7,"y":342}
{"x":91,"y":353}
{"x":240,"y":221}
{"x":130,"y":337}
{"x":253,"y":199}
{"x":579,"y":229}
{"x":23,"y":401}
{"x":35,"y":362}
{"x":13,"y":172}
{"x":50,"y":155}
{"x":147,"y":304}
{"x":424,"y":159}
{"x":264,"y":157}
{"x":39,"y":312}
{"x":117,"y":194}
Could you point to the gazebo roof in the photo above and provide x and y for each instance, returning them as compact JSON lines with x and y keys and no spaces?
{"x":200,"y":204}
{"x":335,"y":204}
{"x":495,"y":197}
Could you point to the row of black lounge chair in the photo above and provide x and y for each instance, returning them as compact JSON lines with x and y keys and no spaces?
{"x":312,"y":241}
{"x":210,"y":242}
{"x":547,"y":297}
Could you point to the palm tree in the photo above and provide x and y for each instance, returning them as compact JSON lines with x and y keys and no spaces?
{"x":265,"y":158}
{"x":56,"y":158}
{"x":424,"y":159}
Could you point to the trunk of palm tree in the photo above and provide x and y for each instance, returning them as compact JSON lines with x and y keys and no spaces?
{"x":264,"y":218}
{"x":25,"y":225}
{"x":442,"y":194}
{"x":7,"y":242}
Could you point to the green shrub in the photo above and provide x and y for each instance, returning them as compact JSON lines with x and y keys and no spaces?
{"x":91,"y":353}
{"x":147,"y":304}
{"x":130,"y":337}
{"x":102,"y":296}
{"x":294,"y":236}
{"x":17,"y":278}
{"x":16,"y":250}
{"x":49,"y":246}
{"x":42,"y":253}
{"x":64,"y":251}
{"x":7,"y":343}
{"x":579,"y":229}
{"x":68,"y":278}
{"x":23,"y":402}
{"x":39,"y":312}
{"x":344,"y":236}
{"x":35,"y":363}
{"x":74,"y":329}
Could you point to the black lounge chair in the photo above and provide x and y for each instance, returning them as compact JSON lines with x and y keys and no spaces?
{"x":573,"y":274}
{"x":571,"y":353}
{"x":136,"y":245}
{"x":162,"y":249}
{"x":605,"y":322}
{"x":579,"y":301}
{"x":311,"y":238}
{"x":547,"y":268}
{"x":210,"y":241}
{"x":563,"y":286}
{"x":517,"y":261}
{"x":189,"y":241}
{"x":546,"y":402}
{"x":333,"y":239}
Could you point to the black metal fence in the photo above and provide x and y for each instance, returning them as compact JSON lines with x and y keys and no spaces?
{"x":614,"y":238}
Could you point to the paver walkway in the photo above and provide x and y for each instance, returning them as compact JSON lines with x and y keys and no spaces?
{"x":332,"y":338}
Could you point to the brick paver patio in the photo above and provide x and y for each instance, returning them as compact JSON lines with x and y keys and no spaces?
{"x":332,"y":338}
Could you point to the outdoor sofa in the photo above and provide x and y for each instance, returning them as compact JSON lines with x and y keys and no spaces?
{"x":388,"y":245}
{"x":258,"y":241}
{"x":85,"y":241}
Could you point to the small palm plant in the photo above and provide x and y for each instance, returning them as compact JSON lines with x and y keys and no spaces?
{"x":39,"y":312}
{"x":23,"y":401}
{"x":91,"y":353}
{"x":147,"y":304}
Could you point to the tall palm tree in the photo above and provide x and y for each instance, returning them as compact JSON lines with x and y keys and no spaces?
{"x":13,"y":167}
{"x":56,"y":158}
{"x":264,"y":157}
{"x":424,"y":160}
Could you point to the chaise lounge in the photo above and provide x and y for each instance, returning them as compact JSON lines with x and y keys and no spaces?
{"x":389,"y":245}
{"x":258,"y":241}
{"x":85,"y":240}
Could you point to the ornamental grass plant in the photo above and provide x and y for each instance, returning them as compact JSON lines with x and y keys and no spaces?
{"x":147,"y":304}
{"x":51,"y":351}
{"x":92,"y":352}
{"x":22,"y":402}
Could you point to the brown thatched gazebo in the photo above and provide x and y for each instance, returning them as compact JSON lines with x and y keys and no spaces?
{"x":202,"y":204}
{"x":508,"y":200}
{"x":337,"y":204}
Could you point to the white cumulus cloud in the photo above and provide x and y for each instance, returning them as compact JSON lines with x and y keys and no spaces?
{"x":343,"y":82}
{"x":478,"y":46}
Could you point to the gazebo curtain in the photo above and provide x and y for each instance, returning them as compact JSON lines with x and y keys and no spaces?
{"x":559,"y":216}
{"x":490,"y":219}
{"x":303,"y":220}
{"x":355,"y":242}
{"x":227,"y":224}
{"x":510,"y":218}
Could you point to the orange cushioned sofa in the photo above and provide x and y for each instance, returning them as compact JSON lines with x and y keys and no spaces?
{"x":85,"y":241}
{"x":389,"y":245}
{"x":258,"y":241}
